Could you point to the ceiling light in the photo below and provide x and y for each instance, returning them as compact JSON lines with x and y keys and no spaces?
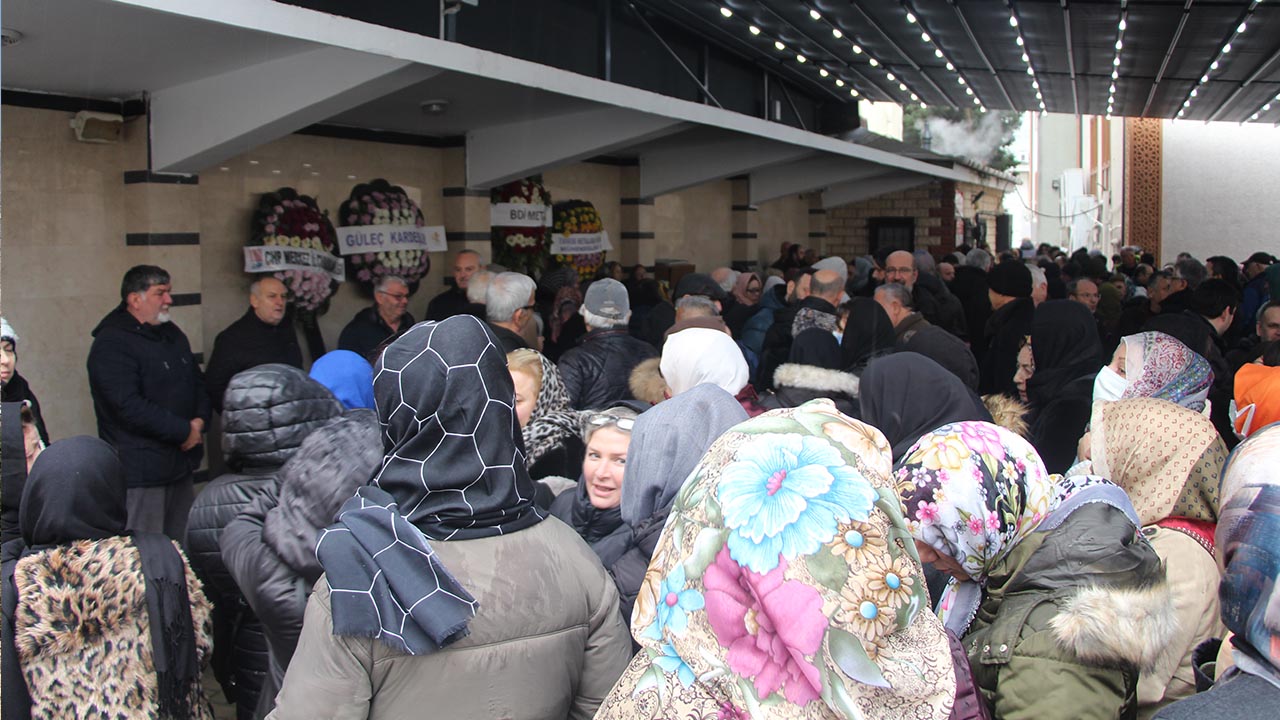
{"x":1213,"y":65}
{"x":968,"y":91}
{"x":937,"y":53}
{"x":982,"y":108}
{"x":1013,"y":21}
{"x":1018,"y":40}
{"x":902,"y":87}
{"x":924,"y":36}
{"x":853,"y":92}
{"x":1241,"y":27}
{"x":923,"y":106}
{"x":1123,"y":24}
{"x":1193,"y":92}
{"x":1266,"y":107}
{"x":1204,"y":79}
{"x":778,"y":44}
{"x":1025,"y":58}
{"x":960,"y":79}
{"x":1181,"y":113}
{"x":911,"y":18}
{"x":951,"y":67}
{"x":1226,"y":48}
{"x":914,"y":97}
{"x":839,"y":82}
{"x":1035,"y":84}
{"x":1115,"y":74}
{"x":801,"y":58}
{"x":1030,"y":71}
{"x":815,"y":15}
{"x":823,"y":72}
{"x":754,"y":30}
{"x":835,"y":32}
{"x":1116,"y":62}
{"x":890,"y":76}
{"x":857,"y":50}
{"x":1254,"y":116}
{"x":1042,"y":107}
{"x":874,"y":62}
{"x":1186,"y":103}
{"x":726,"y":12}
{"x":1119,"y":44}
{"x":1113,"y":88}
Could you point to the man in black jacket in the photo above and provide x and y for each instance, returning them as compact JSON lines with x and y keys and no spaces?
{"x":388,"y":319}
{"x":454,"y":301}
{"x":1009,"y":290}
{"x":596,"y":372}
{"x":264,"y":334}
{"x":150,"y":401}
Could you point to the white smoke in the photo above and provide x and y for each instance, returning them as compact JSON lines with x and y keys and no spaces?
{"x":976,"y":141}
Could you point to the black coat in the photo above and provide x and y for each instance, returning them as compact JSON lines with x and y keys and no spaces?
{"x":939,"y":306}
{"x":367,"y":332}
{"x":509,"y":340}
{"x":596,"y":373}
{"x":628,"y":571}
{"x":1004,"y":333}
{"x":777,"y":345}
{"x":18,"y":390}
{"x":146,"y":389}
{"x":604,"y":530}
{"x":970,"y":287}
{"x":13,"y":465}
{"x":270,"y":410}
{"x":916,"y":335}
{"x":449,"y":303}
{"x":245,"y":343}
{"x":564,"y":460}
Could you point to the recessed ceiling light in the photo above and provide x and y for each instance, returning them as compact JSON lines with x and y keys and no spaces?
{"x":890,"y":76}
{"x":1018,"y":40}
{"x":874,"y":62}
{"x":1226,"y":48}
{"x":835,"y":32}
{"x":1213,"y":65}
{"x":902,"y":87}
{"x":1123,"y":24}
{"x":857,"y":50}
{"x":801,"y":59}
{"x":823,"y":72}
{"x":937,"y":53}
{"x":1119,"y":44}
{"x":951,"y":67}
{"x":754,"y":30}
{"x":839,"y":82}
{"x":778,"y":44}
{"x":726,"y":12}
{"x":1013,"y":21}
{"x":1241,"y":27}
{"x":911,"y":18}
{"x":924,"y":36}
{"x":815,"y":15}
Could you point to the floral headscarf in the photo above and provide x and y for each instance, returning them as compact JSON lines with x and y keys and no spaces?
{"x":1160,"y":366}
{"x":1248,"y":526}
{"x":552,"y":419}
{"x":785,"y":585}
{"x":1168,"y":458}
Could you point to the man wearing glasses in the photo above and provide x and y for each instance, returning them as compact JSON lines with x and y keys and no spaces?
{"x":388,"y":319}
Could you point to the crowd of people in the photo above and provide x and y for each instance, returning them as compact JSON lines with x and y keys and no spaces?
{"x":977,"y":485}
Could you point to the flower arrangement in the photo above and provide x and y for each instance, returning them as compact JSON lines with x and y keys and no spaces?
{"x":524,"y":249}
{"x":573,"y":217}
{"x":381,"y":203}
{"x":286,"y":219}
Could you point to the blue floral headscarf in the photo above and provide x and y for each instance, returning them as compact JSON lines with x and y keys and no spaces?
{"x":1248,"y":545}
{"x":785,"y":585}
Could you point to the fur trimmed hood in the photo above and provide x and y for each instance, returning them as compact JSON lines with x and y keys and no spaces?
{"x":809,"y":377}
{"x":1008,"y":413}
{"x":1106,"y":625}
{"x":646,"y":382}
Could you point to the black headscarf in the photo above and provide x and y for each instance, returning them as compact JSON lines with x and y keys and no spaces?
{"x":1065,"y":346}
{"x":76,"y":491}
{"x":453,"y":470}
{"x":907,"y":395}
{"x":868,"y":333}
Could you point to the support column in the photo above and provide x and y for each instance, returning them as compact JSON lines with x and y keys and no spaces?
{"x":636,"y":244}
{"x":745,"y":246}
{"x":1143,"y":181}
{"x":466,"y":213}
{"x":818,"y":224}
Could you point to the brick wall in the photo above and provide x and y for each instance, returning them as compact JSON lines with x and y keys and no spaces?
{"x":932,"y":206}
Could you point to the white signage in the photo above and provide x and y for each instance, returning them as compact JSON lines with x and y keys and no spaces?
{"x":580,"y":244}
{"x":276,"y":258}
{"x":359,"y":239}
{"x":519,"y":215}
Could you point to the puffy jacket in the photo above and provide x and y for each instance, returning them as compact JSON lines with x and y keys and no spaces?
{"x":269,"y":549}
{"x":795,"y":385}
{"x":603,"y":530}
{"x":546,"y":642}
{"x":269,"y":411}
{"x":146,"y":389}
{"x":596,"y":372}
{"x":1069,"y":618}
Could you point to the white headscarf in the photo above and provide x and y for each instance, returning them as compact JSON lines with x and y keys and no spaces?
{"x":699,"y":355}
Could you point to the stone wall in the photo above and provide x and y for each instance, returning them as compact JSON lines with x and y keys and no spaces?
{"x":932,"y":206}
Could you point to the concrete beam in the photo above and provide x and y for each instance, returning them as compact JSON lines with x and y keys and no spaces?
{"x":701,"y":156}
{"x":858,"y":190}
{"x":501,"y":153}
{"x":203,"y":122}
{"x":810,"y":174}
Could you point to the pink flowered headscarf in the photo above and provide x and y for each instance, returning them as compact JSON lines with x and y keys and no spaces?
{"x":1160,"y":366}
{"x":785,"y":585}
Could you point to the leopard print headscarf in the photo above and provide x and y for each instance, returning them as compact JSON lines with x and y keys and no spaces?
{"x":552,"y":420}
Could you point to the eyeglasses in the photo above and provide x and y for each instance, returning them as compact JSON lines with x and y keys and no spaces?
{"x":602,"y":419}
{"x":899,"y":271}
{"x":398,"y":297}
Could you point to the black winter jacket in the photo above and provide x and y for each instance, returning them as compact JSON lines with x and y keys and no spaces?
{"x":269,"y":548}
{"x":628,"y":571}
{"x":603,"y":530}
{"x":18,"y":390}
{"x":13,"y":466}
{"x":146,"y":389}
{"x":367,"y":331}
{"x":269,"y":411}
{"x":596,"y":373}
{"x":1004,"y":333}
{"x":246,"y":343}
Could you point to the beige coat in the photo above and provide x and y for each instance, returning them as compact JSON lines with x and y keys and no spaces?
{"x":547,"y":642}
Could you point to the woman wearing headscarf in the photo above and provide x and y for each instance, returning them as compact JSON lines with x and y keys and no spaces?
{"x":591,"y":506}
{"x":1067,"y":355}
{"x":824,"y":366}
{"x":781,"y":589}
{"x":550,"y":428}
{"x":97,"y":622}
{"x":700,"y":355}
{"x":1169,"y":460}
{"x":666,"y":444}
{"x":1057,"y":598}
{"x":443,"y":587}
{"x":1245,"y":542}
{"x":907,"y":395}
{"x":1155,"y":365}
{"x":747,"y":290}
{"x":566,"y":326}
{"x":348,"y":376}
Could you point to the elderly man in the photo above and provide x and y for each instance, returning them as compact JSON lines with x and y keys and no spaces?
{"x":932,"y":299}
{"x":453,"y":301}
{"x":818,"y":309}
{"x":1012,"y":310}
{"x":388,"y":319}
{"x":596,"y":372}
{"x":150,"y":402}
{"x":264,"y":334}
{"x":915,"y":334}
{"x":1085,"y":292}
{"x":509,"y":308}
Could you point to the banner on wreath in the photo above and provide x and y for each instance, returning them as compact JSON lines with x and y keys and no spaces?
{"x":519,"y":215}
{"x":580,"y":243}
{"x":358,"y":239}
{"x":270,"y":258}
